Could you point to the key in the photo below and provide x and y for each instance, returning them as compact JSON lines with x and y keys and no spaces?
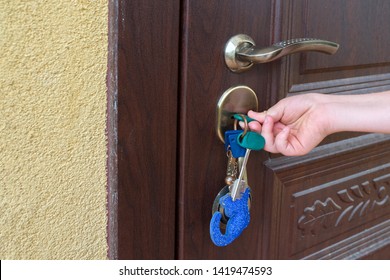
{"x":250,"y":141}
{"x":231,"y":136}
{"x":231,"y":142}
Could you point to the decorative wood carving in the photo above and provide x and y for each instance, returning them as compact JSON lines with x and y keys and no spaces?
{"x":320,"y":215}
{"x":332,"y":199}
{"x":348,"y":204}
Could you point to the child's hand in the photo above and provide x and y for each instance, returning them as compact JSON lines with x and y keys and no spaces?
{"x":297,"y":124}
{"x":294,"y":126}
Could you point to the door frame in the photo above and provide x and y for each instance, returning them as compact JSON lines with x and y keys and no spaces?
{"x":111,"y":131}
{"x":142,"y":219}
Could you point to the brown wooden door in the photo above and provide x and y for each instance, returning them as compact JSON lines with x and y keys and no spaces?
{"x":331,"y":203}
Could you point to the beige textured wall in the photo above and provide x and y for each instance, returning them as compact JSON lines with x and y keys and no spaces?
{"x":52,"y":129}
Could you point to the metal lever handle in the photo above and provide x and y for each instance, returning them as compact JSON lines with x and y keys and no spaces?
{"x":241,"y":53}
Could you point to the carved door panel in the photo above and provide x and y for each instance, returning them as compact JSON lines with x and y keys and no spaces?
{"x":169,"y":164}
{"x":331,"y":203}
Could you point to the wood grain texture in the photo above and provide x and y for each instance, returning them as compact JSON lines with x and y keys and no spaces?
{"x":360,"y":27}
{"x":381,"y":254}
{"x":206,"y":27}
{"x":361,"y":47}
{"x":148,"y":37}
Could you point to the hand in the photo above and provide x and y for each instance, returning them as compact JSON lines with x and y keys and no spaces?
{"x":294,"y":126}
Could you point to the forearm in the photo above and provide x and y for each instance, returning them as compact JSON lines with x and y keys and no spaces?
{"x":361,"y":113}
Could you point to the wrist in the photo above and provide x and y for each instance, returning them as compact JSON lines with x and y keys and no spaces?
{"x":331,"y":113}
{"x":325,"y":113}
{"x":340,"y":112}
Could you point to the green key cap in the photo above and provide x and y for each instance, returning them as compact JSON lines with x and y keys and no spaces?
{"x":240,"y":118}
{"x":251,"y":141}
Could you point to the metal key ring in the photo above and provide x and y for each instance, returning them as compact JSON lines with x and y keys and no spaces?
{"x":246,"y":124}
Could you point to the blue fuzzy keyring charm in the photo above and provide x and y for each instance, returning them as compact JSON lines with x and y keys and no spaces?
{"x":238,"y":215}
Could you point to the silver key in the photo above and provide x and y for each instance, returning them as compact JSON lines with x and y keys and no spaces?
{"x":240,"y":185}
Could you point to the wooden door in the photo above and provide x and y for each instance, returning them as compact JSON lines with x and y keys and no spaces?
{"x":331,"y":203}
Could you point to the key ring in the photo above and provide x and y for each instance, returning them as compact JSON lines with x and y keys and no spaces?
{"x":243,"y":117}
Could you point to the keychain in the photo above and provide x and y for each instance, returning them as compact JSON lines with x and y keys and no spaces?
{"x":231,"y":209}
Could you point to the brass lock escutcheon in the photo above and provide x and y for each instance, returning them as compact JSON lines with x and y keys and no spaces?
{"x":238,"y":99}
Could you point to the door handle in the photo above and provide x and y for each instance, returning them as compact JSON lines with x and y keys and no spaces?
{"x":241,"y":52}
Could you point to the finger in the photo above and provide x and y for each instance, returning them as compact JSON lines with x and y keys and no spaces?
{"x":267,"y":133}
{"x":278,"y":127}
{"x":255,"y":126}
{"x":277,"y":111}
{"x":258,"y":116}
{"x":281,"y":142}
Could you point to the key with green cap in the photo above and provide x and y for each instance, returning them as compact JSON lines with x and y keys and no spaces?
{"x":250,"y":141}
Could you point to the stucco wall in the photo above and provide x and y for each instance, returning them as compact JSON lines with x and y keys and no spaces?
{"x":52,"y":129}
